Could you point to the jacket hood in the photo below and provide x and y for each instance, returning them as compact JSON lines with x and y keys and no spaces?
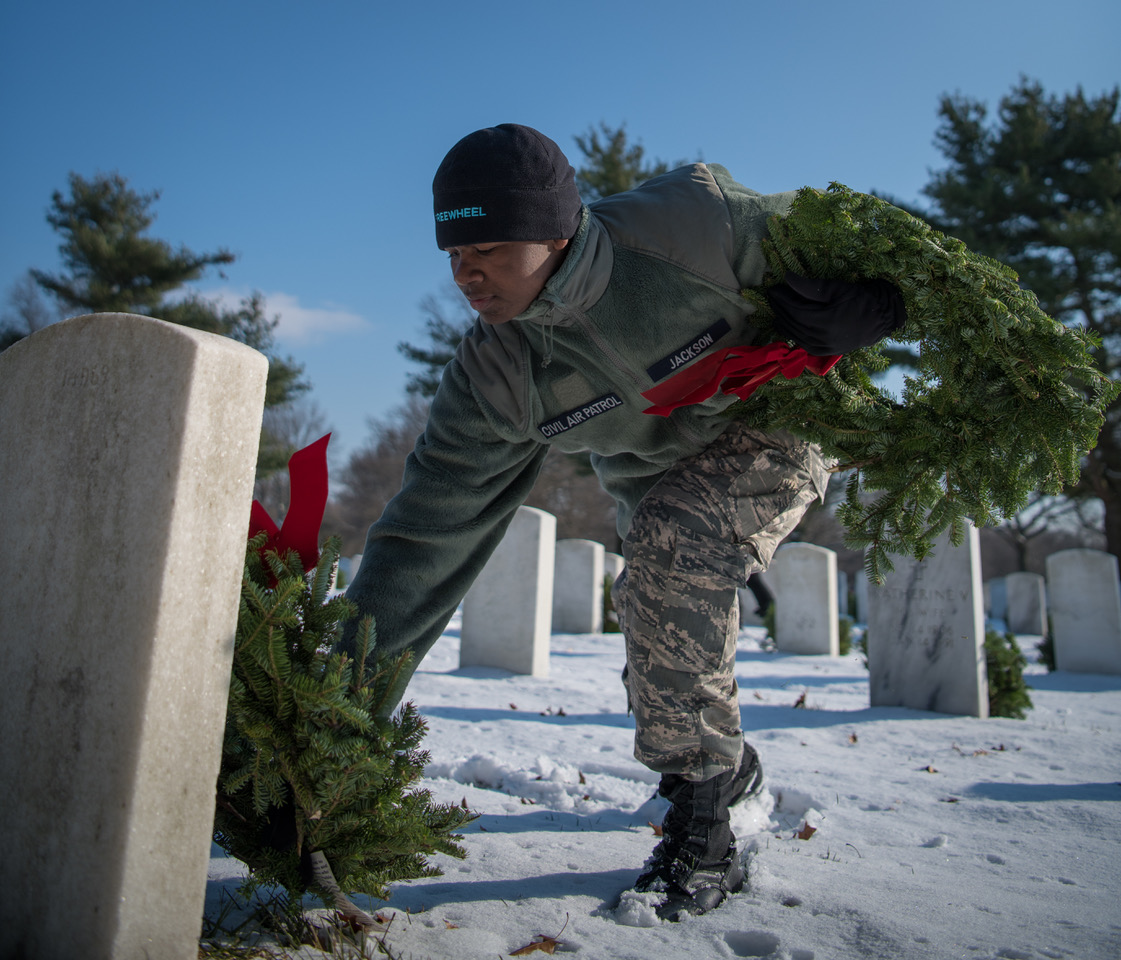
{"x":581,"y":279}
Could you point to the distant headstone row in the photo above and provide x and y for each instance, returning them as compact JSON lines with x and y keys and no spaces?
{"x":534,"y":585}
{"x":925,"y":625}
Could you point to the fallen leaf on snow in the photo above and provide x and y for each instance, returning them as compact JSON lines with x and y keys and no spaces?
{"x":655,"y":827}
{"x":805,"y":833}
{"x":541,"y":942}
{"x":544,"y":944}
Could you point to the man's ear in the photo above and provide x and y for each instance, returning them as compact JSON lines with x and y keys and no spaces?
{"x":559,"y":244}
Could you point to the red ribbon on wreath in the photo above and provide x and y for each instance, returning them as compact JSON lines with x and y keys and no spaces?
{"x":733,"y":370}
{"x":307,"y":499}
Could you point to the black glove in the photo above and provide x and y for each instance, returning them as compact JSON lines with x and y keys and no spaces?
{"x":830,"y":317}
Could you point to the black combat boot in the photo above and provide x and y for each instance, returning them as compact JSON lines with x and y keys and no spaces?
{"x":696,"y":865}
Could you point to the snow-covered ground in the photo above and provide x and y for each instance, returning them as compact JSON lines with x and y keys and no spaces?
{"x":935,"y":836}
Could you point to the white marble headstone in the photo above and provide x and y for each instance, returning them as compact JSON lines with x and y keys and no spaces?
{"x":1027,"y":603}
{"x":578,"y":587}
{"x":1085,"y":599}
{"x":613,"y":564}
{"x":805,"y":578}
{"x":127,"y":454}
{"x":509,"y":608}
{"x":926,"y":632}
{"x":860,"y":594}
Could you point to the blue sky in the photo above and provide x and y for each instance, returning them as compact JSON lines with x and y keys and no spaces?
{"x":303,"y":137}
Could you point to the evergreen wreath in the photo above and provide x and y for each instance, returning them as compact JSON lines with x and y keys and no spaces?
{"x":1004,"y":666}
{"x":1006,"y":400}
{"x":317,"y":791}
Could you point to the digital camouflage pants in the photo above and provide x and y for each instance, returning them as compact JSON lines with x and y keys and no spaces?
{"x":697,"y":535}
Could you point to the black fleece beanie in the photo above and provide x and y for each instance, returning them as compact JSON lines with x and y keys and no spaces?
{"x":504,"y":183}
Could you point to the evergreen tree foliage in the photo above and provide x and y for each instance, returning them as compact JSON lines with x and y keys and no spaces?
{"x":447,"y":320}
{"x":1006,"y":400}
{"x":308,"y":764}
{"x":1008,"y":694}
{"x":112,"y":266}
{"x":1046,"y":650}
{"x":611,"y":164}
{"x":1038,"y":186}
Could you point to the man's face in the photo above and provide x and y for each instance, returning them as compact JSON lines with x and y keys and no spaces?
{"x":500,"y":280}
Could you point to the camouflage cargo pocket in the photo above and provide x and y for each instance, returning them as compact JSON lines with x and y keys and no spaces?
{"x":694,"y":610}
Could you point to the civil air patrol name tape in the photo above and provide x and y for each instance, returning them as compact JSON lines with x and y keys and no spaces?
{"x":578,"y":415}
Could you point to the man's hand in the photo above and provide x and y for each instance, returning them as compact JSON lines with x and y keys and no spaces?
{"x":828,"y":317}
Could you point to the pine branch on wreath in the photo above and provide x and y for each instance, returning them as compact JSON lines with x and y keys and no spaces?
{"x":308,"y":765}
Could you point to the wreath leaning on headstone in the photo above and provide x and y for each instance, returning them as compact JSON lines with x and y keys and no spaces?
{"x":1006,"y":400}
{"x":319,"y":788}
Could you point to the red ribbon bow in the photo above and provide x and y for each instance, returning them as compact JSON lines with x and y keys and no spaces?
{"x":733,"y":370}
{"x":307,"y":499}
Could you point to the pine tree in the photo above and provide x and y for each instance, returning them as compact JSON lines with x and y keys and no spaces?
{"x":612,"y":165}
{"x":112,"y":265}
{"x":308,"y":765}
{"x":1005,"y":402}
{"x":449,"y":318}
{"x":1038,"y":186}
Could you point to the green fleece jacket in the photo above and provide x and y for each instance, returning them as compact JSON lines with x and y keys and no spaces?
{"x":651,"y":282}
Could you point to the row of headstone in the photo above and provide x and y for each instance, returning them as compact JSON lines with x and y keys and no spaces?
{"x":926,"y":623}
{"x":1081,"y":594}
{"x":1077,"y":604}
{"x":534,"y":585}
{"x":127,"y":454}
{"x":1018,"y":599}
